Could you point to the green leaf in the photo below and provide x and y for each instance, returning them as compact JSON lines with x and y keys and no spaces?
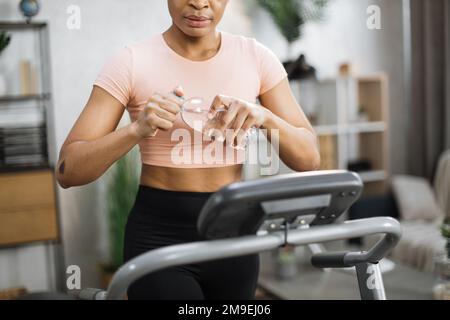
{"x":122,"y":192}
{"x":291,"y":15}
{"x":5,"y":39}
{"x":445,"y":228}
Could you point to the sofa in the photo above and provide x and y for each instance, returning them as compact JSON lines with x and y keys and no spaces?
{"x":420,"y":207}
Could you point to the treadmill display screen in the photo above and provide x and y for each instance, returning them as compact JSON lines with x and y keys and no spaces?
{"x":299,"y":206}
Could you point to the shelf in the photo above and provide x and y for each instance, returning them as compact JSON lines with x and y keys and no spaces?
{"x":366,"y":127}
{"x":27,"y":168}
{"x":21,"y":25}
{"x":361,"y":127}
{"x":373,"y":176}
{"x":326,"y":130}
{"x":375,"y":77}
{"x":22,"y":98}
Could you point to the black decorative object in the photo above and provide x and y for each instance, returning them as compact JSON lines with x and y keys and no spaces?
{"x":300,"y":69}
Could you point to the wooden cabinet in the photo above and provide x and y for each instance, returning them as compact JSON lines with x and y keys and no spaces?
{"x":27,"y":207}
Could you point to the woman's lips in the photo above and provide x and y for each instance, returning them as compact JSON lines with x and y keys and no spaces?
{"x":197,"y":22}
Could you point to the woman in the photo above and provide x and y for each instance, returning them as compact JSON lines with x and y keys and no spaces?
{"x":227,"y":71}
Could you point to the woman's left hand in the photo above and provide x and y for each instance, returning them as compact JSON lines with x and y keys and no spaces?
{"x":232,"y":125}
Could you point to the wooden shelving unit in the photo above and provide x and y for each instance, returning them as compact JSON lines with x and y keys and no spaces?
{"x":350,"y":116}
{"x":27,"y":207}
{"x":352,"y":124}
{"x":28,"y":198}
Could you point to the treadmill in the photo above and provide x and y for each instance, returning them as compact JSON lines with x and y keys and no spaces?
{"x":264,"y":214}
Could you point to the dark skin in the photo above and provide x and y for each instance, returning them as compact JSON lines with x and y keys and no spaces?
{"x":94,"y":143}
{"x":62,"y":167}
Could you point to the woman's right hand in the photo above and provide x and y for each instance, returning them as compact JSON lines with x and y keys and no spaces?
{"x":159,"y":112}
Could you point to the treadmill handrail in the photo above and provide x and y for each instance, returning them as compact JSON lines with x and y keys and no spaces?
{"x":202,"y":251}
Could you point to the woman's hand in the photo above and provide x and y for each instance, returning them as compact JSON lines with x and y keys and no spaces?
{"x":232,"y":118}
{"x":159,"y":112}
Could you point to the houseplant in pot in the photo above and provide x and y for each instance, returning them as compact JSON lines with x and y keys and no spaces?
{"x":290,"y":16}
{"x":121,"y":194}
{"x":5,"y":39}
{"x":445,"y":231}
{"x":441,"y":290}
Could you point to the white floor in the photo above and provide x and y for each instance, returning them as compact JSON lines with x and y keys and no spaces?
{"x":401,"y":283}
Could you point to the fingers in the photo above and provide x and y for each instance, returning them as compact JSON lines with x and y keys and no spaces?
{"x":167,"y":102}
{"x":226,"y":118}
{"x":162,"y":113}
{"x":179,"y":91}
{"x":220,"y":102}
{"x":157,"y":122}
{"x":237,"y":125}
{"x":244,"y":130}
{"x":175,"y":97}
{"x":232,"y":125}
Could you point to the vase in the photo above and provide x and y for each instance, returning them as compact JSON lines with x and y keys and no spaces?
{"x":2,"y":85}
{"x":285,"y":263}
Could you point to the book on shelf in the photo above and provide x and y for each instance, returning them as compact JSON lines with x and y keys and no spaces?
{"x":23,"y":146}
{"x":28,"y":78}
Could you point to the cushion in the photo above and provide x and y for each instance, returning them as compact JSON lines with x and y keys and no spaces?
{"x":415,"y":198}
{"x":420,"y":244}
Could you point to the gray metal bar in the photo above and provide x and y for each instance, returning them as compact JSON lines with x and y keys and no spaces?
{"x":212,"y":250}
{"x":370,"y":281}
{"x":375,"y":254}
{"x":188,"y":253}
{"x":353,"y":229}
{"x":92,"y":294}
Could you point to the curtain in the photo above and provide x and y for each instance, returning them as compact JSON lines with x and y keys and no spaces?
{"x":429,"y":112}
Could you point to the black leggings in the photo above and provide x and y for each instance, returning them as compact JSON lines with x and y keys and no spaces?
{"x":161,"y":218}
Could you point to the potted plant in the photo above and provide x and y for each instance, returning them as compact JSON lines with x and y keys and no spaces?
{"x":290,"y":16}
{"x":5,"y":39}
{"x":441,"y":289}
{"x":121,"y":194}
{"x":286,"y":262}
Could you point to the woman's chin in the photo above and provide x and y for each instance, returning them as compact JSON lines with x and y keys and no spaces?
{"x":196,"y":32}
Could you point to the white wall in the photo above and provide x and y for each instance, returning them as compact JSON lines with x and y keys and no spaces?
{"x":344,"y":37}
{"x":77,"y":55}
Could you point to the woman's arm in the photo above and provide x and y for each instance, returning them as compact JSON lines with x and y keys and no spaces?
{"x":92,"y":145}
{"x":279,"y":111}
{"x":297,"y":140}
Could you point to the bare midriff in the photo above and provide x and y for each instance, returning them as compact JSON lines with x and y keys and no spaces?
{"x":191,"y":179}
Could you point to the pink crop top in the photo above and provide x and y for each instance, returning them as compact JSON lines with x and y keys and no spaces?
{"x":242,"y":68}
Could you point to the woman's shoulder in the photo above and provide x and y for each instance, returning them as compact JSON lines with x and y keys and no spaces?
{"x":248,"y":43}
{"x":145,"y":43}
{"x":239,"y":39}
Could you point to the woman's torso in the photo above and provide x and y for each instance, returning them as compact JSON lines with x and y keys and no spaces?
{"x":192,"y":179}
{"x":206,"y":179}
{"x":152,"y":67}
